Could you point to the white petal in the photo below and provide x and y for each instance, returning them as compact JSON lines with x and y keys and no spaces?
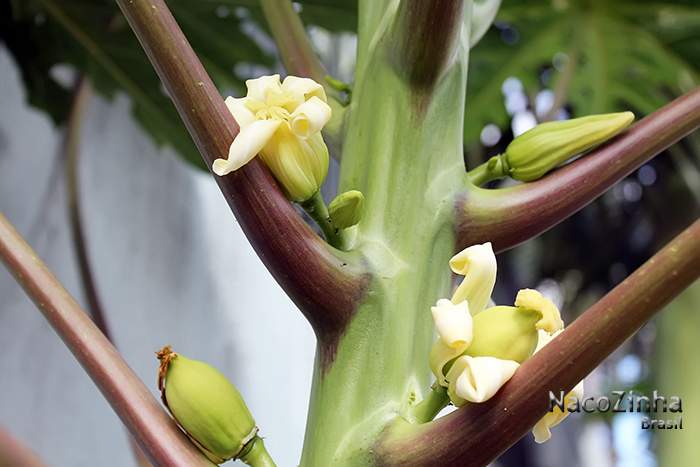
{"x":477,"y":379}
{"x":478,"y":264}
{"x":440,"y":355}
{"x":259,"y":87}
{"x":240,"y":112}
{"x":303,"y":87}
{"x":246,"y":145}
{"x":310,"y":117}
{"x":453,"y":323}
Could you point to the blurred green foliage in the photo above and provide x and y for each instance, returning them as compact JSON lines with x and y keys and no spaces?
{"x":93,"y":36}
{"x":601,"y":55}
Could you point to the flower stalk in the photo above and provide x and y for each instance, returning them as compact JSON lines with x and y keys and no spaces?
{"x":316,"y":208}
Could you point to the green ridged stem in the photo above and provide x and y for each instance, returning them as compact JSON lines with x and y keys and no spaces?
{"x":257,"y":455}
{"x":427,"y":409}
{"x":316,"y":208}
{"x":403,"y":151}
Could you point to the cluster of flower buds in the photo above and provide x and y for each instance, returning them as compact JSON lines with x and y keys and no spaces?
{"x":207,"y":407}
{"x":479,"y":348}
{"x":282,"y":122}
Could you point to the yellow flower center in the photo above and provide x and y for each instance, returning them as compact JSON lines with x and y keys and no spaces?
{"x":278,"y":105}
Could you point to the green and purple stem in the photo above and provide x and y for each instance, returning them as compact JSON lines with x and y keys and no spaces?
{"x":509,"y":216}
{"x":328,"y":284}
{"x":323,"y":282}
{"x":15,"y":454}
{"x":479,"y":433}
{"x":157,"y":434}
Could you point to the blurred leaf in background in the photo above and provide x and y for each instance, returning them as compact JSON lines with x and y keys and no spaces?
{"x":47,"y":37}
{"x":597,"y":56}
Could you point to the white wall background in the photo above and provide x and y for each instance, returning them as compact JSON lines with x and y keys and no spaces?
{"x":151,"y":224}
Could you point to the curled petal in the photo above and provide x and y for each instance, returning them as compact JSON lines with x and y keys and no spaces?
{"x":440,"y":355}
{"x":310,"y":117}
{"x":304,"y":88}
{"x":478,"y":264}
{"x":246,"y":145}
{"x":533,"y":300}
{"x":541,"y":430}
{"x":240,"y":111}
{"x":453,"y":323}
{"x":259,"y":88}
{"x":477,"y":379}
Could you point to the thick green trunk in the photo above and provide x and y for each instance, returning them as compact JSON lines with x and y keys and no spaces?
{"x":403,"y":150}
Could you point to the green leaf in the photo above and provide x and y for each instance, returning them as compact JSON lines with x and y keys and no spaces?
{"x":623,"y":55}
{"x":94,"y":37}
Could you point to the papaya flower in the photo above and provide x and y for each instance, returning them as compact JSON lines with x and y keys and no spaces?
{"x":282,"y":122}
{"x":479,"y":349}
{"x":542,"y":430}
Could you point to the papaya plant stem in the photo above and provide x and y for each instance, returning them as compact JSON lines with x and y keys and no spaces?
{"x":430,"y":32}
{"x":509,"y":216}
{"x":14,"y":453}
{"x":71,"y":150}
{"x":323,"y":282}
{"x":317,"y":209}
{"x":480,"y":175}
{"x":492,"y":169}
{"x":293,"y":44}
{"x":258,"y":456}
{"x":478,"y":433}
{"x":158,"y":435}
{"x":427,"y":409}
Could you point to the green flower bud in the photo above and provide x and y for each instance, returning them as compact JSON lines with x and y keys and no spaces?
{"x":505,"y":332}
{"x":299,"y":165}
{"x":206,"y":406}
{"x":541,"y":149}
{"x":346,"y":209}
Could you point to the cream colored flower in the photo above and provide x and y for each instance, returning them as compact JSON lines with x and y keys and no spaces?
{"x":282,"y":122}
{"x":541,"y":430}
{"x":478,"y":264}
{"x":477,"y":379}
{"x":453,"y":324}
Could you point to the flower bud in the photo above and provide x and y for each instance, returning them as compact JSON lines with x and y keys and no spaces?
{"x":299,"y":165}
{"x":539,"y":150}
{"x":346,"y":209}
{"x":206,"y":405}
{"x":504,"y":332}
